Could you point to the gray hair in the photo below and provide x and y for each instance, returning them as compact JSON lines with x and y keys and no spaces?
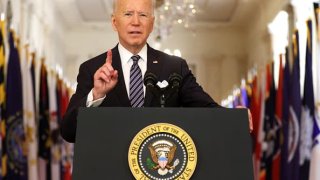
{"x":114,"y":6}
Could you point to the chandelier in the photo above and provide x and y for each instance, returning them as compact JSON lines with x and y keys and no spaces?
{"x":173,"y":12}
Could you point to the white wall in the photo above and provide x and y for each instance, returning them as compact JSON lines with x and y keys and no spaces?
{"x":85,"y":43}
{"x":258,"y":39}
{"x":219,"y":56}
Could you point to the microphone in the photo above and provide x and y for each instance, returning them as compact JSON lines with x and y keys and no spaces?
{"x":174,"y":84}
{"x":175,"y":80}
{"x":150,"y":80}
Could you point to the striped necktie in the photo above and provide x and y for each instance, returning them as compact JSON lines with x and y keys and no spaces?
{"x":136,"y":84}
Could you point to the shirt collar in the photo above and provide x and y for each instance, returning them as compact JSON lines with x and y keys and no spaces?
{"x":126,"y":55}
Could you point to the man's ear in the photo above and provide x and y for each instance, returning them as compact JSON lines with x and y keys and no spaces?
{"x":113,"y":22}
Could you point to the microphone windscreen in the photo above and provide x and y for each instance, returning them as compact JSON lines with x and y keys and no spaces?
{"x":175,"y":79}
{"x":150,"y":79}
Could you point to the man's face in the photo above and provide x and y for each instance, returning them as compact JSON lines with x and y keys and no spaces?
{"x":133,"y":20}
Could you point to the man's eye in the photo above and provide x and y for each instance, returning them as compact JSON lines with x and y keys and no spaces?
{"x":143,"y":15}
{"x":128,"y":14}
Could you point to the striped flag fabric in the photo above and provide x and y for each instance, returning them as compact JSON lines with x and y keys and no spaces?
{"x":278,"y":122}
{"x":54,"y":128}
{"x":255,"y":108}
{"x":29,"y":117}
{"x":66,"y":148}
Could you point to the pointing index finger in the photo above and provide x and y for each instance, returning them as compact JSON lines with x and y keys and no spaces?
{"x":109,"y":57}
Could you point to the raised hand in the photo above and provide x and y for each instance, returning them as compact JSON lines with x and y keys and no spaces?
{"x":105,"y":78}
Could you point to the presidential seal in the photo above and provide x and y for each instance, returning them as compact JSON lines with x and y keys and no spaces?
{"x":162,"y":152}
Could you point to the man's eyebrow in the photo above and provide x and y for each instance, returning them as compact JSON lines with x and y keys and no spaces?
{"x":145,"y":12}
{"x":127,"y":11}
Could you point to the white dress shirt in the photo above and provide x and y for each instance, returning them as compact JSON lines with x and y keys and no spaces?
{"x":126,"y":63}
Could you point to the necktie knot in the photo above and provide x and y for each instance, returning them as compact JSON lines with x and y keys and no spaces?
{"x":135,"y":59}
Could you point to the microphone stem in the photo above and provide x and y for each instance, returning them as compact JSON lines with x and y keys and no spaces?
{"x":162,"y":101}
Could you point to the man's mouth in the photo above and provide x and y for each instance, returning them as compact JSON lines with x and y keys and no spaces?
{"x":135,"y":32}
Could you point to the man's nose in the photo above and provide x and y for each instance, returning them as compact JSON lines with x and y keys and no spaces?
{"x":135,"y":19}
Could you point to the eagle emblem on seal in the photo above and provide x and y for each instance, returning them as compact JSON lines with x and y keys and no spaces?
{"x":162,"y":155}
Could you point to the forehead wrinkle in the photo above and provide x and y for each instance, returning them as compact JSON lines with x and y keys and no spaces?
{"x":115,"y":6}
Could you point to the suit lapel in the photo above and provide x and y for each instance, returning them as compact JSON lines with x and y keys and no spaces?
{"x":120,"y":89}
{"x":154,"y":65}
